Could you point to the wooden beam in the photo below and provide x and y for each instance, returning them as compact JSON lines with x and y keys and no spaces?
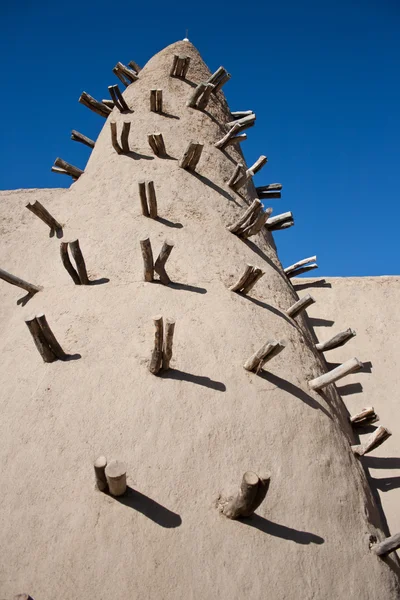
{"x":238,"y":114}
{"x":256,"y":224}
{"x":114,"y":138}
{"x":156,"y":103}
{"x":50,"y":337}
{"x":252,"y":280}
{"x":59,"y":171}
{"x":269,"y":195}
{"x":118,"y":99}
{"x":110,"y":103}
{"x":13,"y":280}
{"x":39,"y":210}
{"x":336,"y":341}
{"x":67,"y":263}
{"x":271,"y":187}
{"x":191,"y":156}
{"x":126,"y":71}
{"x":236,"y":139}
{"x":281,"y":221}
{"x":147,"y":255}
{"x":205,"y":97}
{"x":237,"y":287}
{"x":299,"y":306}
{"x":174,"y":63}
{"x":97,"y":107}
{"x":152,"y":200}
{"x":126,"y":126}
{"x":41,"y":344}
{"x":390,"y":544}
{"x":99,"y":471}
{"x":380,"y":435}
{"x":350,"y":366}
{"x":156,"y":143}
{"x":75,"y":172}
{"x":366,"y":416}
{"x":159,"y":266}
{"x":157,"y":354}
{"x":253,"y":208}
{"x":143,"y":198}
{"x":168,"y":341}
{"x":134,"y":66}
{"x":121,"y":77}
{"x":231,"y":133}
{"x":300,"y":263}
{"x":260,"y":162}
{"x":79,"y":137}
{"x":270,"y":349}
{"x":79,"y":261}
{"x":115,"y":473}
{"x":252,"y":492}
{"x":186,"y":67}
{"x":159,"y":101}
{"x":236,"y":173}
{"x":302,"y":270}
{"x":197,"y":92}
{"x":243,"y":121}
{"x":226,"y":77}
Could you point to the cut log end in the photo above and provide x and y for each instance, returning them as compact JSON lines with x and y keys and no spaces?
{"x":115,"y":473}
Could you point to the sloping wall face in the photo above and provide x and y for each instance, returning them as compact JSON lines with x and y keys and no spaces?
{"x":188,"y":435}
{"x":370,"y":306}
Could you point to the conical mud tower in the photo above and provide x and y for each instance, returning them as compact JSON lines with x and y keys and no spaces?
{"x":175,"y":359}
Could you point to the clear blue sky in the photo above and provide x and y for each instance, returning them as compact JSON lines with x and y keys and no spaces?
{"x":322,"y":77}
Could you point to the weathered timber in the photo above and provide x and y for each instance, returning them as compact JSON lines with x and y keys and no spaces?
{"x":238,"y":170}
{"x":219,"y":78}
{"x":191,"y":156}
{"x":186,"y":67}
{"x":180,"y":66}
{"x":99,"y":471}
{"x":121,"y":77}
{"x":152,"y":200}
{"x":67,"y":263}
{"x":205,"y":97}
{"x":143,"y":198}
{"x":114,"y":138}
{"x":256,"y":224}
{"x":300,"y":263}
{"x":380,"y":435}
{"x":50,"y":337}
{"x":237,"y":287}
{"x":174,"y":63}
{"x":300,"y":305}
{"x":168,"y":341}
{"x":148,"y":262}
{"x":281,"y":221}
{"x":159,"y":266}
{"x":159,"y":101}
{"x":253,"y":208}
{"x":367,"y":415}
{"x":94,"y":105}
{"x":75,"y":172}
{"x":156,"y":101}
{"x":270,"y":349}
{"x":238,"y":114}
{"x":350,"y":366}
{"x":39,"y":210}
{"x":80,"y":262}
{"x":252,"y":280}
{"x":197,"y":92}
{"x":252,"y":492}
{"x":110,"y":103}
{"x":118,"y":98}
{"x":260,"y":162}
{"x":126,"y":71}
{"x":236,"y":139}
{"x":226,"y":77}
{"x":336,"y":341}
{"x":156,"y":143}
{"x":157,"y":354}
{"x":134,"y":66}
{"x":231,"y":133}
{"x":388,"y":545}
{"x":79,"y":137}
{"x":40,"y":341}
{"x":302,"y":270}
{"x":271,"y":187}
{"x":244,"y":121}
{"x":115,"y":473}
{"x":60,"y":171}
{"x":269,"y":195}
{"x":126,"y":126}
{"x":25,"y":285}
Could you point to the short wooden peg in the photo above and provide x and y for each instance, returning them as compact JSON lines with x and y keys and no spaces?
{"x":99,"y":470}
{"x":299,"y":306}
{"x":380,"y":435}
{"x":115,"y":473}
{"x":252,"y":492}
{"x":348,"y":367}
{"x":270,"y":349}
{"x":388,"y":545}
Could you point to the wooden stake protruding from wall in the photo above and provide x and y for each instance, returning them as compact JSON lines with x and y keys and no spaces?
{"x":118,"y":99}
{"x":159,"y":265}
{"x":79,"y":137}
{"x":94,"y":105}
{"x":200,"y":96}
{"x":162,"y":351}
{"x":282,"y":221}
{"x":62,"y":166}
{"x":122,"y":148}
{"x":156,"y":101}
{"x":99,"y":471}
{"x":124,"y":74}
{"x":336,"y":341}
{"x":231,"y":137}
{"x":300,"y":305}
{"x":252,"y":221}
{"x":365,"y":417}
{"x":45,"y":340}
{"x":270,"y":191}
{"x":260,"y":162}
{"x":134,"y":66}
{"x":239,"y":114}
{"x":350,"y":366}
{"x":380,"y":435}
{"x":180,"y":66}
{"x":115,"y":473}
{"x":148,"y":199}
{"x":156,"y":143}
{"x":13,"y":280}
{"x":270,"y":349}
{"x":247,"y":280}
{"x":301,"y":267}
{"x":191,"y":156}
{"x":108,"y":102}
{"x":79,"y":276}
{"x":39,"y":210}
{"x":388,"y":545}
{"x":218,"y":79}
{"x":244,"y":122}
{"x":252,"y":492}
